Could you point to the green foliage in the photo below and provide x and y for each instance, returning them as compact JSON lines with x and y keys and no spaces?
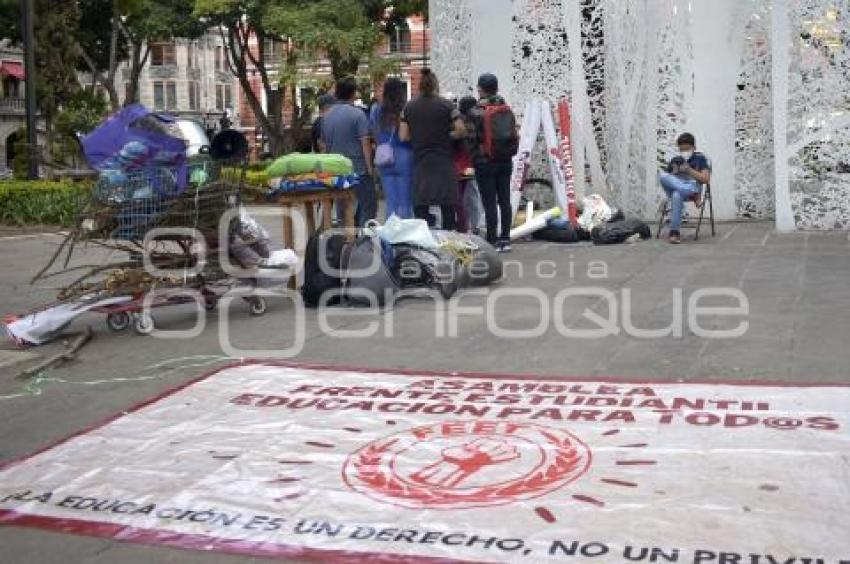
{"x":339,"y":28}
{"x":40,"y":202}
{"x":84,"y":111}
{"x":81,"y":113}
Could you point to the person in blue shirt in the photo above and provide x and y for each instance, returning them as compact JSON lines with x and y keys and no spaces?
{"x":345,"y":131}
{"x":384,"y":122}
{"x":685,"y":173}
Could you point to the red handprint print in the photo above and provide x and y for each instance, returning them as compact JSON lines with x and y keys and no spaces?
{"x":458,"y":463}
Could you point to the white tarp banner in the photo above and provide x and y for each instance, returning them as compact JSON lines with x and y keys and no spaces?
{"x":287,"y":460}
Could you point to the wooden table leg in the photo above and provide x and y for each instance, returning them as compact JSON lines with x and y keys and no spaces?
{"x":289,"y":239}
{"x":349,"y":212}
{"x":327,"y":209}
{"x":310,"y":218}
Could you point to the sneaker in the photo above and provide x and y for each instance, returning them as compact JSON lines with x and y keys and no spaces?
{"x":675,"y":238}
{"x":504,"y":246}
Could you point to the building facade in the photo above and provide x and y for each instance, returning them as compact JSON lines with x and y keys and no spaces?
{"x":12,"y":111}
{"x":189,"y":78}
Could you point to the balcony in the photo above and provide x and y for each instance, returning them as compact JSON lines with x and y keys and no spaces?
{"x":405,"y":48}
{"x":14,"y":106}
{"x":163,"y":71}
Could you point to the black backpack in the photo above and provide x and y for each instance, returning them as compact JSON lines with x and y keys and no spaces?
{"x":501,"y":140}
{"x":318,"y":280}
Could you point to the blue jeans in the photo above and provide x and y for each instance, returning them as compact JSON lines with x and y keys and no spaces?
{"x":367,"y":202}
{"x":678,"y":191}
{"x":397,"y":181}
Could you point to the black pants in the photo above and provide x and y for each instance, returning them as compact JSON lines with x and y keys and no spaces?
{"x":494,"y":183}
{"x":449,"y":222}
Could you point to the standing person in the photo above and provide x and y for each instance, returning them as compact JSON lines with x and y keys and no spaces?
{"x":326,"y":101}
{"x":470,"y":198}
{"x":345,"y":131}
{"x":496,"y":142}
{"x":430,"y":123}
{"x":396,"y":176}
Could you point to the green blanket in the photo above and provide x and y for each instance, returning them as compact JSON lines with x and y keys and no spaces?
{"x":306,"y":163}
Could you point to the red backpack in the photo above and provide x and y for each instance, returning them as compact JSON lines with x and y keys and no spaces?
{"x":501,"y":140}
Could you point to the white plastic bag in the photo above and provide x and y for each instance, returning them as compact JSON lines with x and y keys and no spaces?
{"x":408,"y":231}
{"x":39,"y":328}
{"x":596,"y":212}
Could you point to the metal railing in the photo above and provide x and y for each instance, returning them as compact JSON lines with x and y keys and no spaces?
{"x":12,"y":105}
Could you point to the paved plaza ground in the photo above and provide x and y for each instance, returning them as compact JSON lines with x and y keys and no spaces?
{"x":796,"y":286}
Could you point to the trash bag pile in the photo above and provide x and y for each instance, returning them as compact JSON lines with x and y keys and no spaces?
{"x":403,"y":258}
{"x":305,"y":172}
{"x":598,"y":222}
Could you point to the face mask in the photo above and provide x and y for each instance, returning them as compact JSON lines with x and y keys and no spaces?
{"x":686,"y":155}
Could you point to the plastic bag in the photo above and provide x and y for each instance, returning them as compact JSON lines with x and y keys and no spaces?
{"x":596,"y":212}
{"x":407,"y":231}
{"x":620,"y":231}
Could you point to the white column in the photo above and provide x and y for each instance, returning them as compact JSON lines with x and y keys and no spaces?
{"x":716,"y":61}
{"x":581,"y":130}
{"x":653,"y":21}
{"x":492,"y":43}
{"x":780,"y":37}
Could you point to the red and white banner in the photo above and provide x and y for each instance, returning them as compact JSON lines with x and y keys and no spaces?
{"x":340,"y":464}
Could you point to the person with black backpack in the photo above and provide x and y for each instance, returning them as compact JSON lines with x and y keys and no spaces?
{"x":496,"y":143}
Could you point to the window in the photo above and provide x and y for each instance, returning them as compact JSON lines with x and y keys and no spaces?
{"x":219,"y":58}
{"x":400,"y":39}
{"x":194,"y":95}
{"x":170,"y":95}
{"x":158,"y":96}
{"x":164,"y":95}
{"x":12,"y":88}
{"x":223,"y":97}
{"x":190,"y":55}
{"x":163,"y":54}
{"x":269,"y":49}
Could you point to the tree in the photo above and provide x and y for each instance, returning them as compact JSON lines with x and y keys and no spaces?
{"x":338,"y":28}
{"x":113,"y":31}
{"x":81,"y":113}
{"x":242,"y":25}
{"x":153,"y":21}
{"x":347,"y":32}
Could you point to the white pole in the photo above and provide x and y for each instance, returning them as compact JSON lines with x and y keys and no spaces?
{"x":652,"y":19}
{"x":780,"y":39}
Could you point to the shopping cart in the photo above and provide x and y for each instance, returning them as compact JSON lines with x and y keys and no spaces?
{"x":177,"y":228}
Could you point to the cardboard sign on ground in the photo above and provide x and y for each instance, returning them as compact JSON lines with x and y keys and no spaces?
{"x":343,"y":464}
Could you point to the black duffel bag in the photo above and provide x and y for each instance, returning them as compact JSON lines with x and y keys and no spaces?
{"x":619,"y":231}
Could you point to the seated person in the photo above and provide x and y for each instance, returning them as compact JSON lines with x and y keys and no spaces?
{"x":685,"y":173}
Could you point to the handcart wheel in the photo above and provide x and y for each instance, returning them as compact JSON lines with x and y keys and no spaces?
{"x":143,"y":324}
{"x":118,"y":321}
{"x":258,"y":306}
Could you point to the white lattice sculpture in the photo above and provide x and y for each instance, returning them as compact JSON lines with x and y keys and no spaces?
{"x":639,"y":72}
